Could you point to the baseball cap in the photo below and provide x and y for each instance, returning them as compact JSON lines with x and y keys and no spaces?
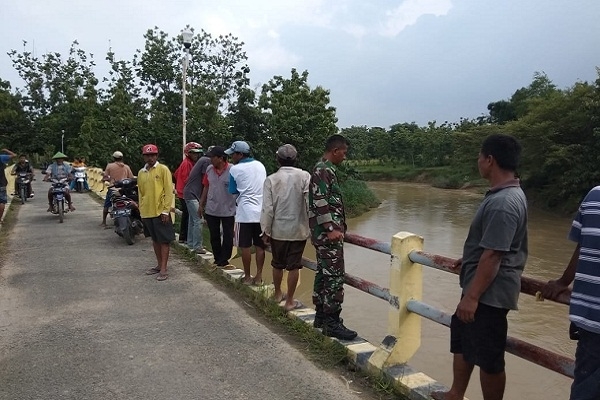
{"x":195,"y":151}
{"x":238,"y":147}
{"x":216,"y":151}
{"x":287,"y":152}
{"x":117,"y":154}
{"x":149,"y":149}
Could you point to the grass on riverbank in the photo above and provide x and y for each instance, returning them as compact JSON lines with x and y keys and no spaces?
{"x":441,"y":177}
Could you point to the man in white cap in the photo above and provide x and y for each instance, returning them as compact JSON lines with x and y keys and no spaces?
{"x":246,"y":178}
{"x":114,"y":171}
{"x":284,"y":222}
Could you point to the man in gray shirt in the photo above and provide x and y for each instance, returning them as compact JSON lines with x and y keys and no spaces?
{"x":494,"y":256}
{"x":191,"y":194}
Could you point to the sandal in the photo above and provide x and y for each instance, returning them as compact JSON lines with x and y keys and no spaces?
{"x":152,"y":271}
{"x":162,"y":277}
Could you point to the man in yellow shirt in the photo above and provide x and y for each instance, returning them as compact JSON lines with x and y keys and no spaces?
{"x":155,"y":188}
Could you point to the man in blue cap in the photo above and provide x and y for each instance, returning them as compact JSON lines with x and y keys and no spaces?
{"x":246,"y":178}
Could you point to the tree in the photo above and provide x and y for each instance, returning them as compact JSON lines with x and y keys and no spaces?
{"x":296,"y":114}
{"x":14,"y":124}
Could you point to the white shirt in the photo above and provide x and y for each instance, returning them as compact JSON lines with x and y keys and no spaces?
{"x":285,"y":204}
{"x":249,"y":177}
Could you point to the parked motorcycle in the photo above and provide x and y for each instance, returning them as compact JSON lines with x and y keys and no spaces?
{"x":125,"y":212}
{"x":80,"y":179}
{"x":58,"y":197}
{"x":23,"y":180}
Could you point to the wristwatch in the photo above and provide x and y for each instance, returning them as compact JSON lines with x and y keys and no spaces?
{"x":330,"y":228}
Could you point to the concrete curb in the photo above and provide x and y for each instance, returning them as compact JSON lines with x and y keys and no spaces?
{"x":412,"y":384}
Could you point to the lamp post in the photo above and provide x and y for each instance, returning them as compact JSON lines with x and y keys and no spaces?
{"x":62,"y":142}
{"x":187,"y":42}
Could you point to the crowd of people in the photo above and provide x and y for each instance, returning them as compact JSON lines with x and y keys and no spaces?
{"x":243,"y":206}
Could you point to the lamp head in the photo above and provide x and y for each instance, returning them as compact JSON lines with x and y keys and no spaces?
{"x":187,"y":38}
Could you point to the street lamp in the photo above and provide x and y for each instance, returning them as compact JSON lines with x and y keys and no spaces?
{"x":62,"y":142}
{"x":187,"y":42}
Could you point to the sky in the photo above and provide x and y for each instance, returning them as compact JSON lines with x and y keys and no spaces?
{"x":384,"y":62}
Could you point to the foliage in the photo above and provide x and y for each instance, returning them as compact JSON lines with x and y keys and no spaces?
{"x":296,"y":114}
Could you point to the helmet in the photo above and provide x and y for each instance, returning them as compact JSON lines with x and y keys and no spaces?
{"x":192,"y":147}
{"x":149,"y":149}
{"x":117,"y":154}
{"x":59,"y":155}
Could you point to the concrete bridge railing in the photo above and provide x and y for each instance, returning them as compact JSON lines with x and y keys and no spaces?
{"x":404,"y":298}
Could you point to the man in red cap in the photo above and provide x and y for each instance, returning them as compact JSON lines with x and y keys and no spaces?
{"x":155,"y":187}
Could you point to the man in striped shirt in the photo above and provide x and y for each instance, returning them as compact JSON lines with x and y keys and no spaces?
{"x":584,"y":312}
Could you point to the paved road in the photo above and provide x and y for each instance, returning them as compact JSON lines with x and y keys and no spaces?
{"x":80,"y":320}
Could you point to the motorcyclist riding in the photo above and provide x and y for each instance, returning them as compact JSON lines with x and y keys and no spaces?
{"x":20,"y":167}
{"x":59,"y":170}
{"x":79,"y":162}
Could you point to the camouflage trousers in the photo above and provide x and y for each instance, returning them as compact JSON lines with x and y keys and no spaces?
{"x":328,"y":290}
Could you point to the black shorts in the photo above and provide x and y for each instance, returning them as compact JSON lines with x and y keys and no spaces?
{"x":483,"y":341}
{"x":287,"y":254}
{"x":247,"y":234}
{"x":159,"y":231}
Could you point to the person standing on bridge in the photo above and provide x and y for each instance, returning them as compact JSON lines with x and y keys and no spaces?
{"x":284,"y":222}
{"x":192,"y":152}
{"x":246,"y":178}
{"x":584,"y":308}
{"x":327,"y":221}
{"x":114,"y":172}
{"x":155,"y":187}
{"x":494,"y":256}
{"x":217,"y":206}
{"x":4,"y":160}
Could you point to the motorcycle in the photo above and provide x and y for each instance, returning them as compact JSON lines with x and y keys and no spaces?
{"x":58,"y":197}
{"x":124,"y":211}
{"x":23,"y":180}
{"x":80,"y":179}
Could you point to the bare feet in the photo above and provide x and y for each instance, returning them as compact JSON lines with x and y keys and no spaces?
{"x":293,"y":305}
{"x":248,"y":280}
{"x":278,"y":298}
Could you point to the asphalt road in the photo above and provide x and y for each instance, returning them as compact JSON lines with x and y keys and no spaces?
{"x":79,"y":319}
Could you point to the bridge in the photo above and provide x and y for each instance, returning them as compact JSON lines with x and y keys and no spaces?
{"x":403,"y":298}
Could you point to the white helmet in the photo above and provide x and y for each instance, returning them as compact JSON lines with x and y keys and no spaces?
{"x":117,"y":154}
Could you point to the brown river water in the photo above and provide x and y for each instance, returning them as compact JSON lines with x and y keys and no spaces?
{"x":442,"y":217}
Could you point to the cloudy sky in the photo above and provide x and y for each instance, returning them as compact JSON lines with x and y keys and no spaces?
{"x":384,"y":61}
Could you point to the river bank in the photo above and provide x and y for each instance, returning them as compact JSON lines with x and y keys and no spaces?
{"x":448,"y":178}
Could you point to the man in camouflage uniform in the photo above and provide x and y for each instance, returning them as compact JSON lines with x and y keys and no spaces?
{"x":327,"y":221}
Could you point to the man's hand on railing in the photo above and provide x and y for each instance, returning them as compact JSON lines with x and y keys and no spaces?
{"x":457,"y":264}
{"x":335,"y":236}
{"x":554,"y":288}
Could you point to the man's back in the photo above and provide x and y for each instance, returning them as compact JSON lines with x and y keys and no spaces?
{"x":285,"y":204}
{"x":249,"y":178}
{"x":117,"y":171}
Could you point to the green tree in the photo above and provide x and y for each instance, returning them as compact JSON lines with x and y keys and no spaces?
{"x":296,"y":114}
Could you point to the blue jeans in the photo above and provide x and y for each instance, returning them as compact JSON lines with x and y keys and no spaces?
{"x":194,"y":233}
{"x":586,"y":385}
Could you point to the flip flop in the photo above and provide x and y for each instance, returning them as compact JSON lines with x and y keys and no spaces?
{"x":153,"y":271}
{"x":297,"y":305}
{"x":162,"y":277}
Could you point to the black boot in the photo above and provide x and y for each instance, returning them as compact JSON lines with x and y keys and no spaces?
{"x":334,"y":327}
{"x":319,"y":317}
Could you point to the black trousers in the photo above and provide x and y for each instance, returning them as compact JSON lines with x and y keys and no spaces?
{"x":221,"y":247}
{"x":185,"y":216}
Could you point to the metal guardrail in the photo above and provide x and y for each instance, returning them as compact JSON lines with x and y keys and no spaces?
{"x":520,"y":348}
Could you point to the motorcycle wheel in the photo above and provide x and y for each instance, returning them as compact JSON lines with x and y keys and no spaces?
{"x":127,"y":234}
{"x":79,"y":186}
{"x":61,"y":211}
{"x":22,"y":194}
